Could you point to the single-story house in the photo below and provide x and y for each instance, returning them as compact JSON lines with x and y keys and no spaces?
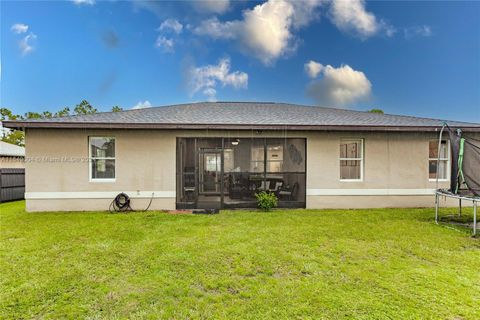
{"x":12,"y":172}
{"x":219,"y":154}
{"x":11,"y":155}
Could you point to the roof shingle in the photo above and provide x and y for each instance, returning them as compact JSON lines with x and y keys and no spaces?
{"x":241,"y":114}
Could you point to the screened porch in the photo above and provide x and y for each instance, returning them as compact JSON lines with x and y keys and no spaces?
{"x":228,"y":172}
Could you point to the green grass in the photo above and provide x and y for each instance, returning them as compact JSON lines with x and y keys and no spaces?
{"x":308,"y":264}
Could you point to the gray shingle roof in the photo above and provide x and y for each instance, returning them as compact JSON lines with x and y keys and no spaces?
{"x":11,"y":150}
{"x":241,"y":114}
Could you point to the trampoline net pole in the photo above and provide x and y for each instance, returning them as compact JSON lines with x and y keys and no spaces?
{"x":438,"y":154}
{"x":474,"y":218}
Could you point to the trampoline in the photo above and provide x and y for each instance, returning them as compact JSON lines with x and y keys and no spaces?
{"x":465,"y":173}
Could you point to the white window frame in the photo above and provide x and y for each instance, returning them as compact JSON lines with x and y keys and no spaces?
{"x":90,"y":158}
{"x":441,"y":159}
{"x":362,"y":146}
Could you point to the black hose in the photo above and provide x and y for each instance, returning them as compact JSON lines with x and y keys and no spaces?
{"x":121,"y":203}
{"x":149,"y":203}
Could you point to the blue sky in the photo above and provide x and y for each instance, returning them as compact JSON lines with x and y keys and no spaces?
{"x":415,"y":58}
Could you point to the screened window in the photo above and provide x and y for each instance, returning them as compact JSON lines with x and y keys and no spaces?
{"x":351,"y":160}
{"x":102,"y":158}
{"x":443,"y":164}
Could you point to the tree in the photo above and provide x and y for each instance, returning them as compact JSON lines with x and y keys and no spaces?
{"x":7,"y":114}
{"x":11,"y":136}
{"x":84,"y":108}
{"x":376,"y":111}
{"x":18,"y":137}
{"x":63,"y":113}
{"x":46,"y":114}
{"x":14,"y":137}
{"x":116,"y":109}
{"x":33,"y":115}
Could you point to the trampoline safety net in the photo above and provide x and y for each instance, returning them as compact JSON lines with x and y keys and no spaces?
{"x":465,"y":173}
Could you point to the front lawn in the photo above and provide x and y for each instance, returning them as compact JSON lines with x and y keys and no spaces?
{"x":361,"y":264}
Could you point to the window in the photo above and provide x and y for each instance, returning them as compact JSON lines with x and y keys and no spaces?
{"x":351,"y":160}
{"x":257,"y":156}
{"x":274,"y":158}
{"x":102,"y":158}
{"x":443,"y":164}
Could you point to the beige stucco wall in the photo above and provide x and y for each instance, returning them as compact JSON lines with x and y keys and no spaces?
{"x":146,"y":163}
{"x":57,"y":163}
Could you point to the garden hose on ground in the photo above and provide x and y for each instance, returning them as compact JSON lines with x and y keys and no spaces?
{"x":121,"y":203}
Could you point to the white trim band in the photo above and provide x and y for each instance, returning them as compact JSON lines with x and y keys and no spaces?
{"x":172,"y":194}
{"x":98,"y":194}
{"x":370,"y":192}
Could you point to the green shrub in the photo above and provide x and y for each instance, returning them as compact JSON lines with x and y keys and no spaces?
{"x":266,"y":200}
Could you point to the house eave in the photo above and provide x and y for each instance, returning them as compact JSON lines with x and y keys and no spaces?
{"x":190,"y":126}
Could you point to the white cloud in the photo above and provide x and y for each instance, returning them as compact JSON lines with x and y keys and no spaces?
{"x":84,"y":2}
{"x":167,"y":45}
{"x":352,"y":17}
{"x":142,"y":105}
{"x":417,"y":31}
{"x":26,"y":45}
{"x":313,"y":68}
{"x":268,"y":30}
{"x":171,"y":25}
{"x":19,"y":28}
{"x":218,"y":30}
{"x":305,"y":11}
{"x":212,"y":6}
{"x":340,"y":86}
{"x":205,"y":79}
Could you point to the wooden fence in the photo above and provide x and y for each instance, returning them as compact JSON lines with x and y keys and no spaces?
{"x":12,"y":184}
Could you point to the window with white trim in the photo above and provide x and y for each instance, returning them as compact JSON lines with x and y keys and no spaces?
{"x":102,"y":158}
{"x":443,"y":162}
{"x":351,"y":159}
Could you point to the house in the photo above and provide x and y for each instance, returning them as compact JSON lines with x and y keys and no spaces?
{"x":12,"y":172}
{"x":11,"y":156}
{"x":218,"y":155}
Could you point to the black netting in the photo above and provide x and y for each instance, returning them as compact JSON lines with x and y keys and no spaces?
{"x":470,"y":165}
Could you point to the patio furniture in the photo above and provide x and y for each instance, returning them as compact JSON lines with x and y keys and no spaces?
{"x":289,"y":193}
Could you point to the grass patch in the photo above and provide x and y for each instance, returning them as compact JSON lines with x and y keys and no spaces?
{"x":318,"y":264}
